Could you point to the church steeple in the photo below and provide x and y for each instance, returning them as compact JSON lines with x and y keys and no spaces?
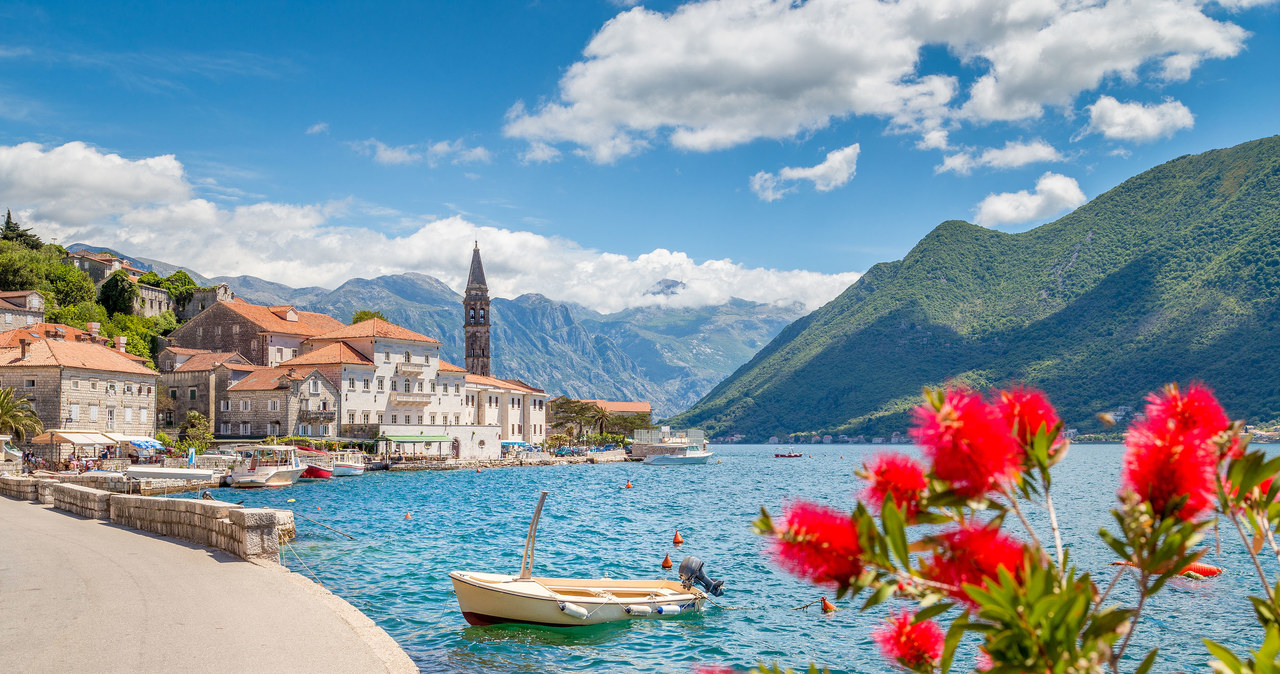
{"x":475,"y":317}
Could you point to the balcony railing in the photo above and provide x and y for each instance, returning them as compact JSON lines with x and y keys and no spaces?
{"x":316,"y":416}
{"x":410,"y":368}
{"x":403,"y":398}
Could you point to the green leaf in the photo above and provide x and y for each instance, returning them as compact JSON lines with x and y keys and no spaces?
{"x":1147,"y":662}
{"x":895,"y":532}
{"x":882,"y":593}
{"x":1225,"y":655}
{"x":954,"y":633}
{"x":931,"y":611}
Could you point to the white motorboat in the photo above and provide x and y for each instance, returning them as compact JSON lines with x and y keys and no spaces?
{"x":267,"y":466}
{"x":162,"y":473}
{"x":348,"y":464}
{"x":490,"y":598}
{"x":690,"y":454}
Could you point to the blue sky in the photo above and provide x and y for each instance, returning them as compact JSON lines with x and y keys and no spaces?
{"x":747,"y":148}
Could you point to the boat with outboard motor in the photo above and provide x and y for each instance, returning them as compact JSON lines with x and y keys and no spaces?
{"x":491,"y":598}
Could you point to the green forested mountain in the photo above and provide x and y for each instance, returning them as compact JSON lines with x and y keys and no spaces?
{"x":1172,"y":276}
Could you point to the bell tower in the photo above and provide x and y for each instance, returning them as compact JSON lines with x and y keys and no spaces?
{"x":475,"y":317}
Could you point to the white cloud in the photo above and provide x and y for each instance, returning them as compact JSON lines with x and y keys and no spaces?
{"x":1138,"y":122}
{"x":318,"y":127}
{"x":834,"y":171}
{"x":1236,"y":5}
{"x":1054,"y":194}
{"x":719,"y":73}
{"x":146,"y":207}
{"x":386,"y":154}
{"x":1012,"y":155}
{"x":540,"y":153}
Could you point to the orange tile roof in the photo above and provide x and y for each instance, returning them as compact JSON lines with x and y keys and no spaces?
{"x":37,"y":331}
{"x":83,"y":355}
{"x":181,"y":351}
{"x":376,"y":327}
{"x":509,"y":384}
{"x":450,"y":367}
{"x":269,"y":379}
{"x":622,"y":406}
{"x":337,"y":352}
{"x":207,"y":361}
{"x":309,"y":323}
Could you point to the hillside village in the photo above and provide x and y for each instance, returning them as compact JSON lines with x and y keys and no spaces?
{"x":257,"y":372}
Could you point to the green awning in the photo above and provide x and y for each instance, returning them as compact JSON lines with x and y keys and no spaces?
{"x":416,"y":438}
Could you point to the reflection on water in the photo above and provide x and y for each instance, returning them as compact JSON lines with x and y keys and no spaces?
{"x":396,"y":570}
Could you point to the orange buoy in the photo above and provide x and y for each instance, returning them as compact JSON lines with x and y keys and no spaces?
{"x":677,"y":540}
{"x":666,"y":561}
{"x":628,"y":485}
{"x":1198,"y":568}
{"x":477,"y":470}
{"x":317,"y":507}
{"x":406,"y":515}
{"x":828,"y":607}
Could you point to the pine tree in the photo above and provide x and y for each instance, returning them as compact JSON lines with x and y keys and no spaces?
{"x":18,"y":234}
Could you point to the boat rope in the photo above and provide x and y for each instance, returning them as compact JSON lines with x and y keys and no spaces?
{"x":298,"y":514}
{"x":304,"y":564}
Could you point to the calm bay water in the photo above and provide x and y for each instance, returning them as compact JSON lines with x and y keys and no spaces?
{"x":396,"y":571}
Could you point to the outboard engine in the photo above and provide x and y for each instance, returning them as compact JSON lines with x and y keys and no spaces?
{"x":691,"y":572}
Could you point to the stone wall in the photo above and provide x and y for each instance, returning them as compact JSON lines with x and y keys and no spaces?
{"x":218,"y":328}
{"x":83,"y":501}
{"x":18,"y":487}
{"x":248,"y":533}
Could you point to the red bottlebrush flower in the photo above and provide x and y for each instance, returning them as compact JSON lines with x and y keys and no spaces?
{"x":1026,"y":411}
{"x":968,"y":442}
{"x":1170,"y":452}
{"x":819,"y":544}
{"x":910,"y":645}
{"x":898,"y":476}
{"x":972,"y":554}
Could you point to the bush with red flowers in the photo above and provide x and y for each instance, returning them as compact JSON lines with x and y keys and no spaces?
{"x":991,"y":458}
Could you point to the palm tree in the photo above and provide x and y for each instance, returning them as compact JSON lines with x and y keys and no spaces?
{"x":16,"y":416}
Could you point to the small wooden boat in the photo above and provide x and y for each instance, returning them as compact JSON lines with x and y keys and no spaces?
{"x":316,"y":471}
{"x":490,"y":598}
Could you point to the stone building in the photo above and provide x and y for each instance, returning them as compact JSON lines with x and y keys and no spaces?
{"x":202,"y":299}
{"x":99,"y":265}
{"x":151,"y":301}
{"x":198,"y":380}
{"x":265,"y":335}
{"x":280,"y":401}
{"x":20,"y":307}
{"x":475,"y":318}
{"x":81,"y":385}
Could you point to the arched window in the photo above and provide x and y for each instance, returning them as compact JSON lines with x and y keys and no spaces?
{"x":407,"y":357}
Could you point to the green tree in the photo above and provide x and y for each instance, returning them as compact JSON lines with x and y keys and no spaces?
{"x":181,"y":287}
{"x":16,"y":416}
{"x":18,"y":268}
{"x":196,"y":432}
{"x":151,"y":279}
{"x":16,"y":233}
{"x":117,"y":293}
{"x":364,"y":315}
{"x":567,"y":414}
{"x":69,"y":285}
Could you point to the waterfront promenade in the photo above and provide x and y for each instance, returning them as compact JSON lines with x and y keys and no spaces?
{"x":80,"y":595}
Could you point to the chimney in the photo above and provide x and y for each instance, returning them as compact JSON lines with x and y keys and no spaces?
{"x":120,"y":340}
{"x":93,"y":328}
{"x":293,"y":373}
{"x":24,"y":343}
{"x":83,"y":337}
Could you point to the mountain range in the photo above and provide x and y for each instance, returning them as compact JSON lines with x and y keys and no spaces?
{"x":1172,"y":276}
{"x":669,"y":357}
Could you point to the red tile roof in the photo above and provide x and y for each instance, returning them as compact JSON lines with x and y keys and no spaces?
{"x":508,"y":384}
{"x":37,"y":331}
{"x":180,"y":351}
{"x":450,"y":367}
{"x":270,"y":378}
{"x":622,"y":406}
{"x":309,"y":323}
{"x":201,"y":362}
{"x":337,"y":352}
{"x":83,"y":355}
{"x":376,"y":327}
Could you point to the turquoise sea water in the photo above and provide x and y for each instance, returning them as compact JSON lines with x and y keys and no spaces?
{"x":396,"y":571}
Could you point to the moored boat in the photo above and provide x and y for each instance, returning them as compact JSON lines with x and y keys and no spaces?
{"x":792,"y":455}
{"x":315,"y":471}
{"x":683,"y":456}
{"x":490,"y":598}
{"x":348,"y":464}
{"x":267,"y":466}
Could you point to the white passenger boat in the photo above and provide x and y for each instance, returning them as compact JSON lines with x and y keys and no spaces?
{"x":490,"y":598}
{"x":690,"y":454}
{"x":162,"y":473}
{"x":267,"y":466}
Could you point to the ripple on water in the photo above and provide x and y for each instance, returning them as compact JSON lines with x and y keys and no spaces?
{"x":396,"y":571}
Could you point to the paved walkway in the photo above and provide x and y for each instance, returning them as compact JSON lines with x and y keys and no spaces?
{"x":79,"y":595}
